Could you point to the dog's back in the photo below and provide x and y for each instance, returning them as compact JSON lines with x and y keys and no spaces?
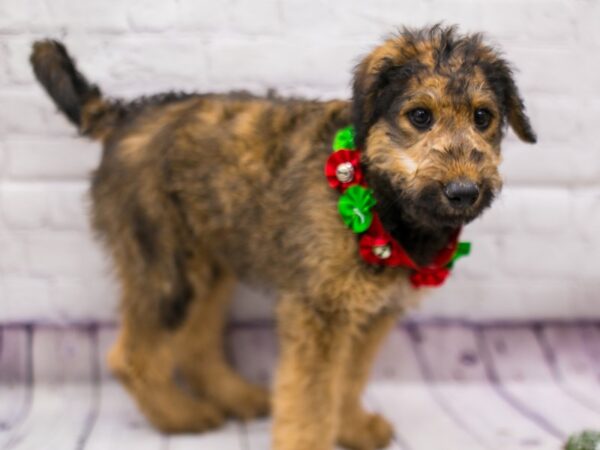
{"x":194,"y":173}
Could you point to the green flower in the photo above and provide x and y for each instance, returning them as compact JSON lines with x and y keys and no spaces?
{"x":344,"y":139}
{"x":587,"y":440}
{"x":463,"y":249}
{"x":355,"y":207}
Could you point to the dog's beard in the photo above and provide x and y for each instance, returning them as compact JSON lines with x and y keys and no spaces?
{"x":430,"y":208}
{"x":421,"y":222}
{"x":427,"y":208}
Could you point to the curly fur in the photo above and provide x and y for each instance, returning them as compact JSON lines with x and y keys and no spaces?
{"x":195,"y":191}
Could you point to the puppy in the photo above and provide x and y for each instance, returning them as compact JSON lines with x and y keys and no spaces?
{"x":196,"y":191}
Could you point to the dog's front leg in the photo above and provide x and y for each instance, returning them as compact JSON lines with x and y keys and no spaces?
{"x":314,"y":352}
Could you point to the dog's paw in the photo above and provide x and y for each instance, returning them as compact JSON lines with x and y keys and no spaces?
{"x":186,"y":416}
{"x":365,"y":432}
{"x":230,"y":392}
{"x":247,"y":401}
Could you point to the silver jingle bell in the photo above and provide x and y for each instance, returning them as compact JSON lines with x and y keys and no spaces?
{"x":345,"y":172}
{"x":382,"y":251}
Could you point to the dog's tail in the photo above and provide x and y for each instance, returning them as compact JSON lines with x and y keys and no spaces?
{"x":74,"y":95}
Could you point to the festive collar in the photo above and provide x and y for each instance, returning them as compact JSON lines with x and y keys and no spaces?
{"x":345,"y":174}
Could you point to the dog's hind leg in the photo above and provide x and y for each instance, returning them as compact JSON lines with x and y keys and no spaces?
{"x":361,"y":430}
{"x":142,"y":359}
{"x":199,"y":352}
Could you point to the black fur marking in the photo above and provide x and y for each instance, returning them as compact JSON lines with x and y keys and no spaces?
{"x":391,"y":83}
{"x":500,"y":78}
{"x":476,"y":156}
{"x":173,"y":308}
{"x":145,"y":232}
{"x":56,"y":71}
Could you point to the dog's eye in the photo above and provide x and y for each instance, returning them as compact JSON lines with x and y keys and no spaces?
{"x":421,"y":118}
{"x":482,"y":118}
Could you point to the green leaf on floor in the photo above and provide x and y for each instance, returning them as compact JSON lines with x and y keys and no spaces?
{"x":586,"y":440}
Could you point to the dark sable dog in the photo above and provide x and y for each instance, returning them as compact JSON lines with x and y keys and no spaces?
{"x":196,"y":191}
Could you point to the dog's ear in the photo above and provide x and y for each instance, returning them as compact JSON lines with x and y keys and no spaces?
{"x":368,"y":78}
{"x":500,"y":77}
{"x":378,"y":79}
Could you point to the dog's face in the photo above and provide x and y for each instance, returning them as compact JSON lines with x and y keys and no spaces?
{"x":429,"y":109}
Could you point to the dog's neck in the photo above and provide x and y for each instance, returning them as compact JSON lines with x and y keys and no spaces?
{"x":422,"y":243}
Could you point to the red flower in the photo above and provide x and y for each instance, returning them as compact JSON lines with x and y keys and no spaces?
{"x":343,"y":169}
{"x":429,"y":276}
{"x":378,"y":247}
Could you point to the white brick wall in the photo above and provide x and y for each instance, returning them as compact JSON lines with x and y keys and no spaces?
{"x":536,"y":253}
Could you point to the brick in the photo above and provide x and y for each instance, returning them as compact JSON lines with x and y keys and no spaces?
{"x":57,"y":253}
{"x":538,"y":210}
{"x":549,"y":69}
{"x":502,"y":217}
{"x":25,"y":206}
{"x":91,"y":15}
{"x":3,"y":160}
{"x":584,"y":299}
{"x":13,"y":256}
{"x":51,"y":158}
{"x":555,"y":118}
{"x":42,"y":205}
{"x":69,"y":207}
{"x":586,"y":214}
{"x":587,"y":23}
{"x":149,"y":15}
{"x":156,"y":63}
{"x":268,"y":63}
{"x":501,"y":300}
{"x":527,"y":21}
{"x":19,"y":15}
{"x":26,"y":298}
{"x":31,"y":112}
{"x":484,"y":249}
{"x":536,"y":164}
{"x":84,"y":299}
{"x":202,"y":15}
{"x":374,"y":20}
{"x":252,"y":17}
{"x":18,"y":68}
{"x":320,"y":19}
{"x":465,"y":13}
{"x":524,"y":256}
{"x":4,"y":76}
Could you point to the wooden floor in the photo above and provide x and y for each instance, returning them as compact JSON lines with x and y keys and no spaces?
{"x":444,"y":386}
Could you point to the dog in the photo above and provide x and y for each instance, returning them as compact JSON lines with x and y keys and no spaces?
{"x":197,"y":191}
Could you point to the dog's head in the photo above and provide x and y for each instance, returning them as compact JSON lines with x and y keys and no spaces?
{"x":429,"y":107}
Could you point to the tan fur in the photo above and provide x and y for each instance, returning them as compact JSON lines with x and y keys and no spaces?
{"x":195,"y":192}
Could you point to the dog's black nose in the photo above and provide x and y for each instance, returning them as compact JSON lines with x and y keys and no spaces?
{"x":461,"y":193}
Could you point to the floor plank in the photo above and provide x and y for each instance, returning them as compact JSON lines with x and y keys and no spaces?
{"x":571,"y":364}
{"x":15,"y":378}
{"x":412,"y":408}
{"x":521,"y":368}
{"x":63,"y":401}
{"x":230,"y":437}
{"x":449,"y":386}
{"x":451,"y":360}
{"x":591,"y":342}
{"x":257,"y":435}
